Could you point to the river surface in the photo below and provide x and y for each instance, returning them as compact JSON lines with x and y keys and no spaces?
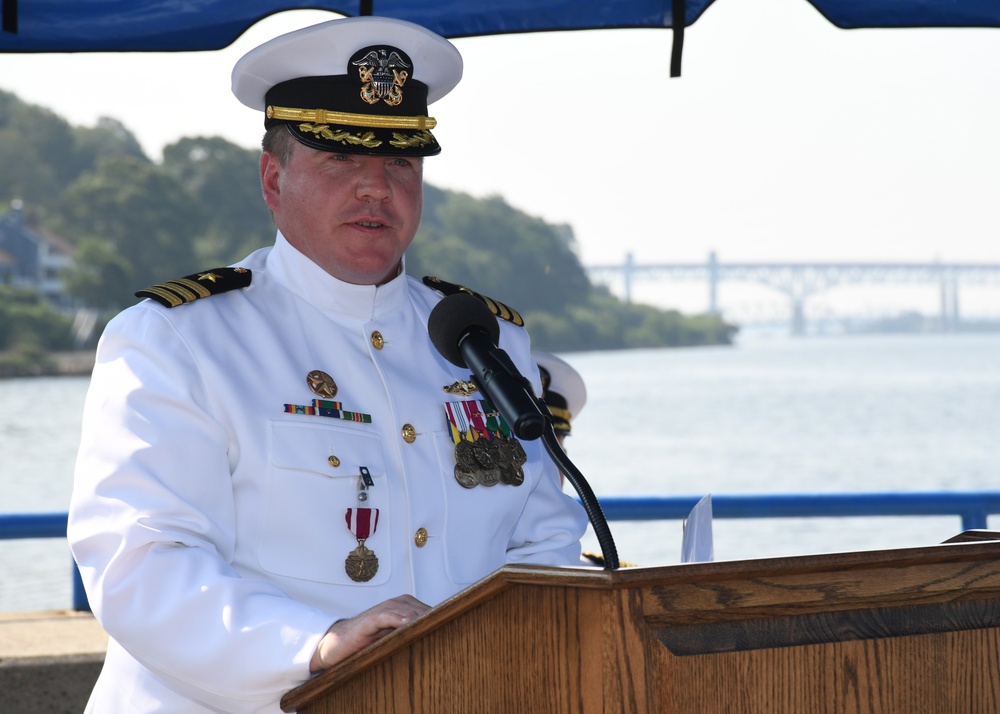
{"x":822,"y":414}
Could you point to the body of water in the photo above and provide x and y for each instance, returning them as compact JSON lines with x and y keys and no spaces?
{"x":862,"y":413}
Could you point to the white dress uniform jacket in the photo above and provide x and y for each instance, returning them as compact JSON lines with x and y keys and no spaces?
{"x":209,"y":523}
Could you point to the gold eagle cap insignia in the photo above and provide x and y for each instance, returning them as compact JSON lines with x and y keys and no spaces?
{"x":383,"y":72}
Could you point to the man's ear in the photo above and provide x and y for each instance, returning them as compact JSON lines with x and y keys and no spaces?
{"x":270,"y":176}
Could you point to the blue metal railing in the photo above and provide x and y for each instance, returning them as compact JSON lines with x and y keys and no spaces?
{"x":973,"y":507}
{"x":15,"y":526}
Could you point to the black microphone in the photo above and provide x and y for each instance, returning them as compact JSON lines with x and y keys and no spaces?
{"x":466,"y":333}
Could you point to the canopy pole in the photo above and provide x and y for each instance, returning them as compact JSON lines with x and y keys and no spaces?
{"x":677,"y":23}
{"x":9,"y":21}
{"x":366,"y":7}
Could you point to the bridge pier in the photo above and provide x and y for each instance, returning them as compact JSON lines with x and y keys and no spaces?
{"x":950,"y":317}
{"x":627,"y":271}
{"x":798,"y":317}
{"x":713,"y":284}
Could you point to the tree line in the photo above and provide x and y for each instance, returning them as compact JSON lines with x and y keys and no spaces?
{"x":134,"y":222}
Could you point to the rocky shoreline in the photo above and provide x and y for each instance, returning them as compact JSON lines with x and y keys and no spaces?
{"x":75,"y":364}
{"x":50,"y":364}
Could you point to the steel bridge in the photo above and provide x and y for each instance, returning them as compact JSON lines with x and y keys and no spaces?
{"x":799,"y":281}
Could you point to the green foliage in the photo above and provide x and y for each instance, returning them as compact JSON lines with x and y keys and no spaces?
{"x":499,"y":250}
{"x":26,"y":361}
{"x":224,"y":177}
{"x":135,"y":223}
{"x":29,"y":139}
{"x":29,"y":324}
{"x":108,"y":138}
{"x":100,"y":277}
{"x":48,"y":154}
{"x":605,"y":323}
{"x":141,"y":214}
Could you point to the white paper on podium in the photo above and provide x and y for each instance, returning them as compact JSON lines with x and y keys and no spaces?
{"x":696,"y":543}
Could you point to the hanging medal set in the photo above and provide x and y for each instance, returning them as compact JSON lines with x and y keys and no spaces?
{"x":362,"y":563}
{"x":485,"y":451}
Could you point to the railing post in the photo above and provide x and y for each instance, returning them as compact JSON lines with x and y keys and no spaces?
{"x":973,"y":519}
{"x":80,"y":600}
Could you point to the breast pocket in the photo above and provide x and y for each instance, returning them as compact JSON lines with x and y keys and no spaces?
{"x":479,"y":520}
{"x":313,"y":475}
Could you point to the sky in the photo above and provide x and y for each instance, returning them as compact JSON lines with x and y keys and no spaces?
{"x":786,"y":139}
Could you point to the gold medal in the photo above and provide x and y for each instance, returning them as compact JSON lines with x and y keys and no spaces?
{"x":520,"y":458}
{"x":485,"y":453}
{"x":489,"y":471}
{"x":517,"y":459}
{"x":362,"y":564}
{"x":490,"y":477}
{"x":467,"y":478}
{"x":466,"y":468}
{"x":505,"y":459}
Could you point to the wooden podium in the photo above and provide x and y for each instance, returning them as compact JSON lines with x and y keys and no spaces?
{"x":910,"y":631}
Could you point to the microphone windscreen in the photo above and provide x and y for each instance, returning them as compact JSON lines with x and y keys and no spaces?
{"x":453,"y":317}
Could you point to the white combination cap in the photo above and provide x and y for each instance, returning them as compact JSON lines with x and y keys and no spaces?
{"x":352,"y":85}
{"x":563,"y":389}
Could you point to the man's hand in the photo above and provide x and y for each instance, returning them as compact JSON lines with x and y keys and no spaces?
{"x":345,"y":637}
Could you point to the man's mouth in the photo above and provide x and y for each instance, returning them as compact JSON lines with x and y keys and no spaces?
{"x":369,"y":224}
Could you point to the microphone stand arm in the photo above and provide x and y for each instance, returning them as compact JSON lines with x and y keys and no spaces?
{"x":497,"y":377}
{"x":590,"y":503}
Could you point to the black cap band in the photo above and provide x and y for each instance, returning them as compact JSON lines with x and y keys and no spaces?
{"x":376,"y":108}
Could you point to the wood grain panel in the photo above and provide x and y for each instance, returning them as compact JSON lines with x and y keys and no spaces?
{"x":911,"y":631}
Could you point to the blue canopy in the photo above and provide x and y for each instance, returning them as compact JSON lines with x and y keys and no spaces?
{"x":186,"y":25}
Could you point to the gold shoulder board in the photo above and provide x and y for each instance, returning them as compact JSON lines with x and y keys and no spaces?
{"x":204,"y":284}
{"x":504,"y":312}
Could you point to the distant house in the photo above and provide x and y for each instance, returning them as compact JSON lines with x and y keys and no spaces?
{"x":33,"y":258}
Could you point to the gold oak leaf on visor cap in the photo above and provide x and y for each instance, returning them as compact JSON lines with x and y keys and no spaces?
{"x":357,"y":85}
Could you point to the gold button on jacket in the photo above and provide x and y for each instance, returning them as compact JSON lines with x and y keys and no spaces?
{"x":420,"y":537}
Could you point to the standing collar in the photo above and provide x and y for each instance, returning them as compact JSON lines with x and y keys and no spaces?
{"x":310,"y":282}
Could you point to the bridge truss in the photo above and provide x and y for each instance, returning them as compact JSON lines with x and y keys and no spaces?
{"x":800,"y":281}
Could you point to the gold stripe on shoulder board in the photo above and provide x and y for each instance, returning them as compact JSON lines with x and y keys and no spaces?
{"x":504,"y":312}
{"x":199,"y":285}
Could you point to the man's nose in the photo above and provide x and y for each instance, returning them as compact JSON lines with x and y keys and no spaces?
{"x":373,"y":181}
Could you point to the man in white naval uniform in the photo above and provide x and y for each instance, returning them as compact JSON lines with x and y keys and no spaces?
{"x":267,"y":475}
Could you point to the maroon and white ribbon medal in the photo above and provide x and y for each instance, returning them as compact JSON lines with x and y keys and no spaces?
{"x":362,"y":563}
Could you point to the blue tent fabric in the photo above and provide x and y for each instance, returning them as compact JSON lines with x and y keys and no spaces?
{"x":188,"y":25}
{"x":857,"y":14}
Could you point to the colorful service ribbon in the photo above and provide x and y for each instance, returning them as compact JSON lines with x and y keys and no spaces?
{"x":327,"y":408}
